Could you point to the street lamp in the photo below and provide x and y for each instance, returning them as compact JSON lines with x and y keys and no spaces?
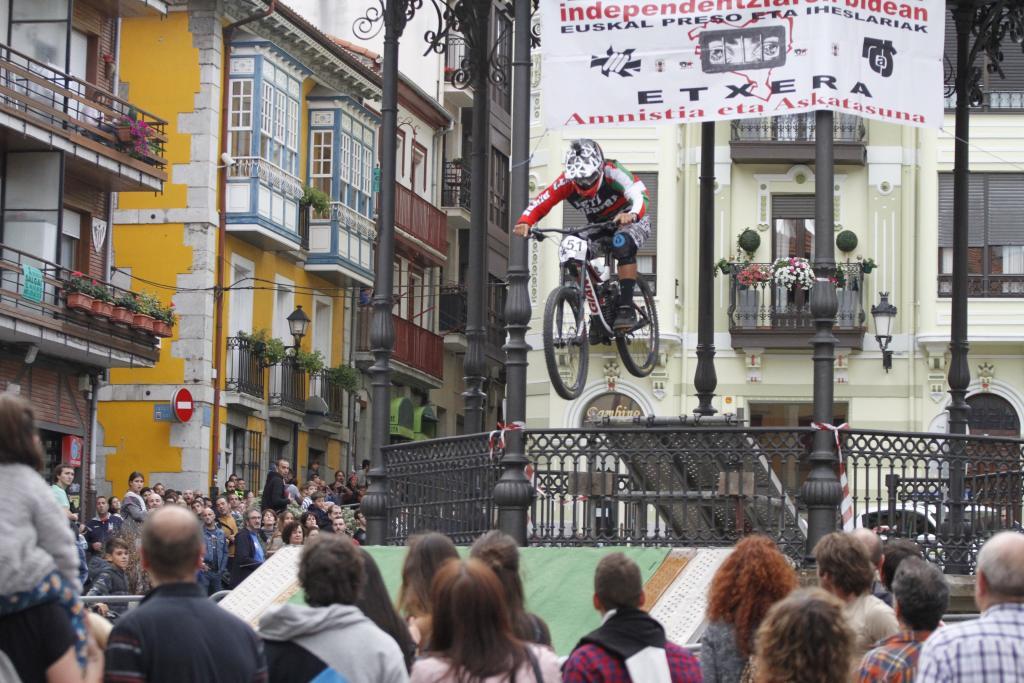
{"x":298,"y":323}
{"x":883,"y":313}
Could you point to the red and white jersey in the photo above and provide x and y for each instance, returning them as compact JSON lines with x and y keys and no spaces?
{"x":620,"y":191}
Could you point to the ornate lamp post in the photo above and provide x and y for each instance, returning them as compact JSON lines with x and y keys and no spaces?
{"x":883,"y":313}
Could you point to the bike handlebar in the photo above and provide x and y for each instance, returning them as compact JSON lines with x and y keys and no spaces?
{"x":540,"y":234}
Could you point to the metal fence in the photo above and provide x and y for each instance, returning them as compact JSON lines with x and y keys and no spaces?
{"x":710,"y":486}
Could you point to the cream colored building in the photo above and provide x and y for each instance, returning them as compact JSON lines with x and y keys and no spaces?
{"x":890,"y":182}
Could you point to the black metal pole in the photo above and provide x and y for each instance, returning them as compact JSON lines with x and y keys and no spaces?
{"x":382,"y":328}
{"x":821,"y":490}
{"x":476,"y":275}
{"x":705,"y":379}
{"x":959,"y":371}
{"x":512,"y":492}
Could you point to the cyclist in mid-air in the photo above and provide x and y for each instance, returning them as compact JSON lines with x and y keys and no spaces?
{"x":604,"y":190}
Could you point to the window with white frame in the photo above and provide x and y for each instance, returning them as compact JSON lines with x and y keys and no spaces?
{"x":240,"y":117}
{"x":321,"y":156}
{"x":345,"y":171}
{"x":267,"y":121}
{"x":279,"y":119}
{"x":419,"y":167}
{"x":367,"y":171}
{"x":357,"y":166}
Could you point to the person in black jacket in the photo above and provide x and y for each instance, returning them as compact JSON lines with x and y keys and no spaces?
{"x":274,"y":495}
{"x":112,"y":580}
{"x":177,"y":634}
{"x":249,"y":551}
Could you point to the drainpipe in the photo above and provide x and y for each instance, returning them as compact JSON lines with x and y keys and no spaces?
{"x":222,"y":184}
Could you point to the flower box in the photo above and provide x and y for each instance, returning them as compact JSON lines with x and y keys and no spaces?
{"x":102,"y":309}
{"x":123,"y":134}
{"x":122,"y":315}
{"x":143,"y":322}
{"x":78,"y":301}
{"x":161,"y":329}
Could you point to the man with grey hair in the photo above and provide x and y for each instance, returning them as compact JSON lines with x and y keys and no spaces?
{"x":873,"y":544}
{"x":176,"y":633}
{"x":990,"y":648}
{"x":922,"y":597}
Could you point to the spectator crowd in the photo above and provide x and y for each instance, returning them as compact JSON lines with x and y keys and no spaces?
{"x":877,"y":614}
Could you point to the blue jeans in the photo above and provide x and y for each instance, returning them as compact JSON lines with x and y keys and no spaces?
{"x":211,"y":581}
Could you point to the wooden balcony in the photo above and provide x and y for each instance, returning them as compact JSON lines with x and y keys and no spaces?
{"x":790,"y":139}
{"x":768,"y":316}
{"x":33,"y":311}
{"x":415,"y":347}
{"x":112,"y":142}
{"x":421,"y":226}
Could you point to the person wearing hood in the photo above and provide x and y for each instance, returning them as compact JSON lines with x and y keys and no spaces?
{"x":330,"y":639}
{"x":275,"y":496}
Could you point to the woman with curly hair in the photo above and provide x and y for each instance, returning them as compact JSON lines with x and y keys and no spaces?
{"x":804,"y":639}
{"x":753,"y":578}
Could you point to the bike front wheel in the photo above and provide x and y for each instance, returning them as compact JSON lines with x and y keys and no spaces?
{"x":638,"y":348}
{"x":566,"y":346}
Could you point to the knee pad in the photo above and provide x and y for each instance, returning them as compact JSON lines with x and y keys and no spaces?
{"x":624,"y":249}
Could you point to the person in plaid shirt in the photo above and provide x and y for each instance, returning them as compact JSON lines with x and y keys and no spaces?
{"x":922,"y":597}
{"x":990,"y":648}
{"x":630,"y":645}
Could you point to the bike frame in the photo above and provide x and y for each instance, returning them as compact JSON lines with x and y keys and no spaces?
{"x":587,"y":277}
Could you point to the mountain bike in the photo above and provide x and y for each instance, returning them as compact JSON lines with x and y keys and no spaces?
{"x":570,"y":327}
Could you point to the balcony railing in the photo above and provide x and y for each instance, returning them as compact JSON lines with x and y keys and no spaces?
{"x":455,"y":54}
{"x":420,"y":219}
{"x":994,"y":101}
{"x":454,"y":313}
{"x":267,"y":172}
{"x":415,"y":346}
{"x":455,"y":188}
{"x":988,"y":286}
{"x":320,"y":384}
{"x":69,"y":107}
{"x":33,"y":290}
{"x":288,"y":385}
{"x":796,"y":128}
{"x":769,"y":316}
{"x":245,"y":372}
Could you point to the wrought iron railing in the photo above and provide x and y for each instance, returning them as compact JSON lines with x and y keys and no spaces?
{"x":796,"y":128}
{"x":455,"y":54}
{"x":998,"y":100}
{"x":454,"y":311}
{"x":709,"y":486}
{"x":458,"y":501}
{"x":35,"y":290}
{"x":268,"y":172}
{"x":766,"y":306}
{"x":288,"y":385}
{"x":988,"y":286}
{"x":455,"y":186}
{"x":320,"y":384}
{"x":70,"y":107}
{"x":245,"y":371}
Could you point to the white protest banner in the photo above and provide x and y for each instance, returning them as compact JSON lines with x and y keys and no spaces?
{"x":637,"y":62}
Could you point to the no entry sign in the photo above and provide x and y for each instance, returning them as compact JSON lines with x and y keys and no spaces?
{"x":183,"y":406}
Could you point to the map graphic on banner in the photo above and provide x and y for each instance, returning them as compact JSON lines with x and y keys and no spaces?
{"x":614,"y":62}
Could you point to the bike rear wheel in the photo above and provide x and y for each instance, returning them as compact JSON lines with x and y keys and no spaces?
{"x":638,"y":348}
{"x":566,"y":347}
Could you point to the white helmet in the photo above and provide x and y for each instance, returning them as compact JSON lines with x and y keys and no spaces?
{"x":584,"y":165}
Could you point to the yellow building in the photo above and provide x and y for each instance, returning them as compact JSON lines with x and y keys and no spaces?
{"x":260,"y":108}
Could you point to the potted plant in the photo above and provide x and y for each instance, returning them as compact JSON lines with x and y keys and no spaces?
{"x":79,"y":291}
{"x":163,"y":322}
{"x":315,"y":199}
{"x":125,"y":307}
{"x":145,"y":315}
{"x":749,"y":241}
{"x":103,"y":302}
{"x":311,"y":362}
{"x":345,"y":376}
{"x":867,"y":265}
{"x":722,"y":266}
{"x":839,"y":278}
{"x":846,"y":241}
{"x":136,"y":137}
{"x":793,"y":273}
{"x":754,"y":275}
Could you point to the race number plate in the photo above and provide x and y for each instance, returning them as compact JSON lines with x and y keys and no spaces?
{"x":572,"y":249}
